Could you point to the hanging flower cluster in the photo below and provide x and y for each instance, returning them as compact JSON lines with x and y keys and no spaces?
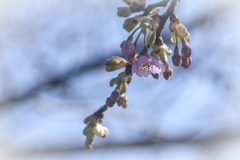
{"x":151,"y":60}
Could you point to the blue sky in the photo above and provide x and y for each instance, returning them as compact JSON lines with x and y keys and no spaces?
{"x":42,"y":40}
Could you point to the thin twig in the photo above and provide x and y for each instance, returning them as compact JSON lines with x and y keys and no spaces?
{"x":152,"y":6}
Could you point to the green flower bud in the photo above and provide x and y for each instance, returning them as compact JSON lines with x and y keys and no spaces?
{"x":115,"y":63}
{"x":163,"y":57}
{"x":172,"y":26}
{"x":121,"y":100}
{"x":182,"y":31}
{"x":88,"y":131}
{"x":187,"y":38}
{"x":151,"y":37}
{"x":89,"y":142}
{"x":124,"y":12}
{"x":166,"y":49}
{"x":122,"y":77}
{"x":125,"y":104}
{"x":100,"y":131}
{"x":113,"y":82}
{"x":123,"y":88}
{"x":174,"y":37}
{"x":129,"y":24}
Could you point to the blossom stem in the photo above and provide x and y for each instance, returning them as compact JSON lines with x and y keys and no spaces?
{"x":136,"y":30}
{"x":135,"y":43}
{"x":145,"y":39}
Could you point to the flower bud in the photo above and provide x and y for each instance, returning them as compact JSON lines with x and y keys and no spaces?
{"x":156,"y":76}
{"x":122,"y":77}
{"x":151,"y":37}
{"x":127,"y":46}
{"x":124,"y":12}
{"x":123,"y":88}
{"x":176,"y":58}
{"x":163,"y":57}
{"x":88,"y":132}
{"x":100,"y":131}
{"x":115,"y":94}
{"x":186,"y":50}
{"x":181,"y":31}
{"x":174,"y":38}
{"x":186,"y":62}
{"x":110,"y":102}
{"x":125,"y":104}
{"x":115,"y":63}
{"x":89,"y":142}
{"x":121,"y":100}
{"x":113,"y":82}
{"x":165,"y":49}
{"x":172,"y":26}
{"x":168,"y":72}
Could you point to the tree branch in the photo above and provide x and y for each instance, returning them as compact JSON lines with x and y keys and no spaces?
{"x":165,"y":16}
{"x":152,"y":6}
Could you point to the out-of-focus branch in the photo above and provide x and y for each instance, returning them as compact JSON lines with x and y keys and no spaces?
{"x":77,"y":71}
{"x":57,"y":80}
{"x":161,"y":141}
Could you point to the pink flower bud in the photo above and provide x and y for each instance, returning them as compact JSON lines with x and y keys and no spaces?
{"x":127,"y":46}
{"x":168,"y":72}
{"x":186,"y":50}
{"x":115,"y":95}
{"x":110,"y":102}
{"x":186,"y":62}
{"x":176,"y":58}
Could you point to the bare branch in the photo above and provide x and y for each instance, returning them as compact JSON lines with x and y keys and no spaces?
{"x":152,"y":6}
{"x":165,"y":16}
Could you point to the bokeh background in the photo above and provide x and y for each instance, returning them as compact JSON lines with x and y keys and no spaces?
{"x":52,"y":76}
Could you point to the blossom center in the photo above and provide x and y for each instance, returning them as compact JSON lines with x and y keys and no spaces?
{"x":146,"y":66}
